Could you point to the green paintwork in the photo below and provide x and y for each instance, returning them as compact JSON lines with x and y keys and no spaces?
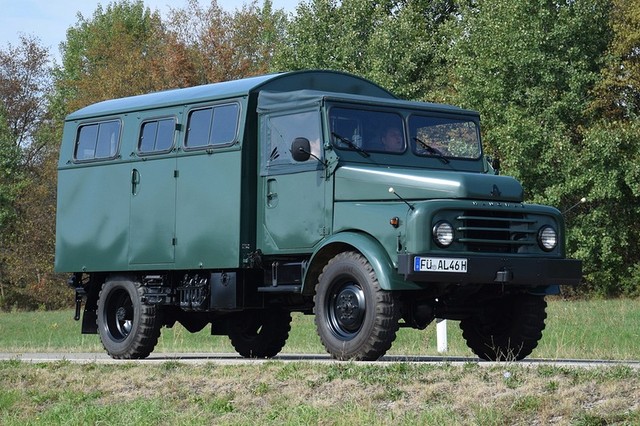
{"x":153,"y":211}
{"x":375,"y":254}
{"x":373,"y":183}
{"x":187,"y":209}
{"x":294,"y":220}
{"x":371,"y":218}
{"x":208,"y":202}
{"x":93,"y":221}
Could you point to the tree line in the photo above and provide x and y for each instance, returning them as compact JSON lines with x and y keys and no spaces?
{"x":557,"y":84}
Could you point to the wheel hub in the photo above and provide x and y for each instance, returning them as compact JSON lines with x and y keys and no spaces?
{"x":121,"y":314}
{"x":349,"y":308}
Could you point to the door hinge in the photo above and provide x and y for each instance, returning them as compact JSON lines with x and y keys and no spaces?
{"x":174,"y":241}
{"x":176,"y":173}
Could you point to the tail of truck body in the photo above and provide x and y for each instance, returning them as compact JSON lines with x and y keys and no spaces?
{"x":237,"y":203}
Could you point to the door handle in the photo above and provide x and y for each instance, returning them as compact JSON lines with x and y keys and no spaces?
{"x":135,"y":181}
{"x":272,"y":193}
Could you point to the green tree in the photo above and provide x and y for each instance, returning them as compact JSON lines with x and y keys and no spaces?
{"x":395,"y":43}
{"x":224,"y":45}
{"x":406,"y":49}
{"x":607,"y":170}
{"x":122,"y":50}
{"x":557,"y":86}
{"x":604,"y":232}
{"x":529,"y":67}
{"x":618,"y":93}
{"x":30,"y":243}
{"x":9,"y":188}
{"x":311,"y":40}
{"x":28,"y":146}
{"x":25,"y":84}
{"x":9,"y":173}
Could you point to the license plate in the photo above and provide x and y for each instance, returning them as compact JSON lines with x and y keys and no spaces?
{"x":440,"y":264}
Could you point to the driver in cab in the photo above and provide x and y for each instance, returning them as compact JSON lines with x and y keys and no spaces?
{"x":392,"y":140}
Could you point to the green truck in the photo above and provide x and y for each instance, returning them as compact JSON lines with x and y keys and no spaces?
{"x":232,"y":205}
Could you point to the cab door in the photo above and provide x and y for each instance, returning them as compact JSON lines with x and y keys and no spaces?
{"x":292,"y":212}
{"x":153,"y":194}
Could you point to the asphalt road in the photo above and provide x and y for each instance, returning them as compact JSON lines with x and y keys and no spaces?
{"x":233,"y":359}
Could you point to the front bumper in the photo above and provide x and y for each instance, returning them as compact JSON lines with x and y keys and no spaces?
{"x":500,"y":270}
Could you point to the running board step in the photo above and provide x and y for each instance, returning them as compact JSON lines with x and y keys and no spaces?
{"x":281,"y":289}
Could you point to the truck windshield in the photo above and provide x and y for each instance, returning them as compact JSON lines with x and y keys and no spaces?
{"x":370,"y":131}
{"x":367,"y":130}
{"x":444,"y":137}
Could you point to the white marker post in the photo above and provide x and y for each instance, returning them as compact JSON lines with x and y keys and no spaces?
{"x":441,"y":335}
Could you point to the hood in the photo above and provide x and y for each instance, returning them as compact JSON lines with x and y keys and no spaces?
{"x":373,"y":183}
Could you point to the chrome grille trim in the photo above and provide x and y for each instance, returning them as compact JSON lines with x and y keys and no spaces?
{"x":490,"y":231}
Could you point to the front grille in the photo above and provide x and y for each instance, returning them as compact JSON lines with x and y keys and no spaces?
{"x":495,"y":231}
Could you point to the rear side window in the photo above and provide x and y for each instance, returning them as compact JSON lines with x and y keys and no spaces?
{"x":215,"y":125}
{"x":157,"y":136}
{"x":97,"y":140}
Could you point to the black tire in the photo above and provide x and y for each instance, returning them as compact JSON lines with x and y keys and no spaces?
{"x":355,"y":318}
{"x":260,"y":334}
{"x":128,"y":328}
{"x":507,"y":330}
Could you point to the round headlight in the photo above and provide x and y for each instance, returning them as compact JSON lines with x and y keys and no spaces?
{"x":547,"y":238}
{"x":443,"y":233}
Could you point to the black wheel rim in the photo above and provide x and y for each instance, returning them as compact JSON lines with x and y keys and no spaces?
{"x":118,"y":315}
{"x":346,"y":308}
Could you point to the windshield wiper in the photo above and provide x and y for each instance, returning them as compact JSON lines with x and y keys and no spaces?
{"x":351,"y":144}
{"x":433,"y":151}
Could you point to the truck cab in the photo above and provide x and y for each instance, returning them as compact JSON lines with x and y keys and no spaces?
{"x":234,"y":204}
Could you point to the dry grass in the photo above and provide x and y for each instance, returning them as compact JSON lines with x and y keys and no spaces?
{"x":302,"y":393}
{"x":276,"y":393}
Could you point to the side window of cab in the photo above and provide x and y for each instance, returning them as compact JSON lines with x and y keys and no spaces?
{"x":280,"y":131}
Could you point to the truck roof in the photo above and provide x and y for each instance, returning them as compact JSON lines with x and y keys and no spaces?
{"x":322,"y":80}
{"x":269,"y":101}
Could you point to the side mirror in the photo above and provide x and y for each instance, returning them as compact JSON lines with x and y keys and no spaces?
{"x":495,"y":163}
{"x":301,"y":149}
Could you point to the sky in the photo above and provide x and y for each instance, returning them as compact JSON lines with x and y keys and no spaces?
{"x":49,"y":19}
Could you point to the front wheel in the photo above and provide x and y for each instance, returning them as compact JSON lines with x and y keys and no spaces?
{"x":128,"y":328}
{"x":355,"y":318}
{"x":508,"y":329}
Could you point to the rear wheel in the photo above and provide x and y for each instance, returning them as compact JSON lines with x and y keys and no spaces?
{"x":507,"y":330}
{"x":355,"y":318}
{"x":128,"y":328}
{"x":261,"y":333}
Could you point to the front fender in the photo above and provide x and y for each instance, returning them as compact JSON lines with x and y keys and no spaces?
{"x":369,"y":247}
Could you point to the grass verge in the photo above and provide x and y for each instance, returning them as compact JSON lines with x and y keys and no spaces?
{"x":592,"y":329}
{"x":276,"y":393}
